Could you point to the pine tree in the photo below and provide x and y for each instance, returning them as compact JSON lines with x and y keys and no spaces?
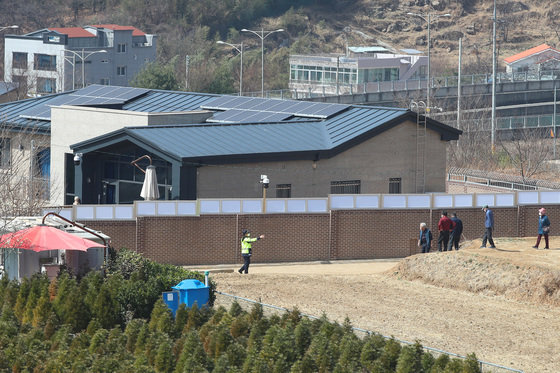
{"x":75,"y":311}
{"x":131,"y":332}
{"x":350,"y":348}
{"x":105,"y":308}
{"x":50,"y":325}
{"x":164,"y":358}
{"x":409,"y":361}
{"x":440,"y":364}
{"x":454,"y":366}
{"x":181,"y":318}
{"x":471,"y":364}
{"x":390,"y":355}
{"x":235,"y":309}
{"x":141,"y":340}
{"x":21,"y":299}
{"x":302,"y":334}
{"x":236,"y":355}
{"x":42,"y":311}
{"x":93,"y":326}
{"x":371,"y":350}
{"x":240,"y":326}
{"x":160,"y":309}
{"x":99,"y":342}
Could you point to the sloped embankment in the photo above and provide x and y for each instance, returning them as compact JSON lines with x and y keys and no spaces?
{"x":477,"y":272}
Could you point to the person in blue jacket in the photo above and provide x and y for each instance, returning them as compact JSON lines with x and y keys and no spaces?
{"x":544,"y":228}
{"x":425,"y":238}
{"x":489,"y":225}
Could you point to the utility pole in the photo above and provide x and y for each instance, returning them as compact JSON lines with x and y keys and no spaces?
{"x":187,"y":60}
{"x":554,"y":122}
{"x":459,"y":86}
{"x":493,"y":127}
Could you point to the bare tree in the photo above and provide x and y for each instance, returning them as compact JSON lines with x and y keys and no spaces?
{"x":527,"y":150}
{"x":24,"y":179}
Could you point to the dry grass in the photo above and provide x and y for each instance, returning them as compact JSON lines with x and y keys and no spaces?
{"x":515,"y":271}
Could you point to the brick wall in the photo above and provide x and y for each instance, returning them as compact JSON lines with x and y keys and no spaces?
{"x":341,"y":234}
{"x":122,"y":233}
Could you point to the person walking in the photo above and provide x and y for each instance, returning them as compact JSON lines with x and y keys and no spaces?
{"x":246,"y":249}
{"x":489,"y":225}
{"x":455,"y":235}
{"x":544,"y":228}
{"x":425,"y":238}
{"x":444,"y":226}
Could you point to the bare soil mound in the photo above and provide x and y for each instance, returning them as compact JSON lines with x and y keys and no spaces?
{"x":515,"y":270}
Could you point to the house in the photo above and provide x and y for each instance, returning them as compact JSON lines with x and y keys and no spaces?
{"x":537,"y":59}
{"x":359,"y":70}
{"x":57,"y":59}
{"x":209,"y":146}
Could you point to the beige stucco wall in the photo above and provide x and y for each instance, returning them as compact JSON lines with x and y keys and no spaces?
{"x":391,"y":154}
{"x":73,"y":124}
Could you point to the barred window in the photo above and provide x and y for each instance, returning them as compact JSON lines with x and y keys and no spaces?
{"x":345,"y":187}
{"x":395,"y":185}
{"x":283,"y":190}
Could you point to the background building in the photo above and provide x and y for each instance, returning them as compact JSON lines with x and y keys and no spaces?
{"x":535,"y":60}
{"x":360,"y":70}
{"x":59,"y":59}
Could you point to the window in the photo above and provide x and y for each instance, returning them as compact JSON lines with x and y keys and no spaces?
{"x":121,"y":70}
{"x":345,"y":187}
{"x":5,"y":153}
{"x":395,"y":185}
{"x":45,"y":62}
{"x":46,"y":85}
{"x":283,"y":190}
{"x":121,"y":48}
{"x":19,"y":60}
{"x":104,"y":81}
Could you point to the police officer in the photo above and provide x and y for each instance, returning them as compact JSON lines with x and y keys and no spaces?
{"x":246,"y":243}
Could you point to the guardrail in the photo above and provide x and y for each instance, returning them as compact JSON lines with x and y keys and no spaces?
{"x":405,"y":85}
{"x":484,"y":365}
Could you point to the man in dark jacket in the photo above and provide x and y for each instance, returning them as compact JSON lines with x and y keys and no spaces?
{"x":445,"y":225}
{"x":489,"y":225}
{"x":455,"y":235}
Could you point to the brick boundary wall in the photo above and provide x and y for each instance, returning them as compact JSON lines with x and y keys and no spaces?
{"x":338,"y":235}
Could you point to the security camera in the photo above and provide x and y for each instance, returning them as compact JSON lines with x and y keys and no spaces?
{"x":77,"y":158}
{"x":265,"y":181}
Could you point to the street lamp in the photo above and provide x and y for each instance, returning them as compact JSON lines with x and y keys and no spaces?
{"x":239,"y":48}
{"x":429,"y":21}
{"x":83,"y":56}
{"x":7,"y":27}
{"x":262,"y":34}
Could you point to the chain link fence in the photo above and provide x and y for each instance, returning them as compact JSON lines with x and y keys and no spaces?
{"x":226,"y":300}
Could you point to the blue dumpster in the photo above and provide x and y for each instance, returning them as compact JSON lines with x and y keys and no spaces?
{"x":187,"y":292}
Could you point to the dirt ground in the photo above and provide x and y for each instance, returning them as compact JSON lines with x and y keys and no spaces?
{"x":503,"y":304}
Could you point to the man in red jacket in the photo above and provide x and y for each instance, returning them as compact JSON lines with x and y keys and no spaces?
{"x":445,"y":225}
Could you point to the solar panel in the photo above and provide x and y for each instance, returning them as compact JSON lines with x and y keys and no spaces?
{"x":247,"y":116}
{"x":104,"y":91}
{"x":222,"y":103}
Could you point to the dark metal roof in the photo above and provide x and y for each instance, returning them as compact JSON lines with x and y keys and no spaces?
{"x":256,"y":140}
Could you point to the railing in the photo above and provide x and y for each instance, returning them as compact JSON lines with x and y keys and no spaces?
{"x":519,"y":194}
{"x":484,"y":365}
{"x":401,"y":85}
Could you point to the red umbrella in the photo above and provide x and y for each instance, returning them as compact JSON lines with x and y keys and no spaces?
{"x":44,"y":237}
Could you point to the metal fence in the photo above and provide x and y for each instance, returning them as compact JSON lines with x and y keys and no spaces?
{"x":405,"y":85}
{"x":226,"y":300}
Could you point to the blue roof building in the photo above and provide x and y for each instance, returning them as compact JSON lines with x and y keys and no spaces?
{"x":217,"y":146}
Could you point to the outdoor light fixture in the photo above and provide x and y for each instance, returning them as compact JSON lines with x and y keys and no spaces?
{"x":265,"y":181}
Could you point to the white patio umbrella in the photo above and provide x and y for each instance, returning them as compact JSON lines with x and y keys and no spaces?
{"x":150,"y":189}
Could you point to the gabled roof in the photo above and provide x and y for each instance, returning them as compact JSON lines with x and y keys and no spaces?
{"x":135,"y":31}
{"x":281,"y":140}
{"x":73,"y":32}
{"x":529,"y":52}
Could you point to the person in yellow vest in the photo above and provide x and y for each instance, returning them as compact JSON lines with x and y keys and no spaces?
{"x":246,"y":243}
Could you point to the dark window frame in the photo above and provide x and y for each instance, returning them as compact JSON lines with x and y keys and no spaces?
{"x":283,"y":190}
{"x":45,"y":62}
{"x":395,"y":185}
{"x":346,"y":187}
{"x":19,"y":60}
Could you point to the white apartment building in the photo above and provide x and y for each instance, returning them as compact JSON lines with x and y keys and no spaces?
{"x":361,"y":69}
{"x":58,"y":59}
